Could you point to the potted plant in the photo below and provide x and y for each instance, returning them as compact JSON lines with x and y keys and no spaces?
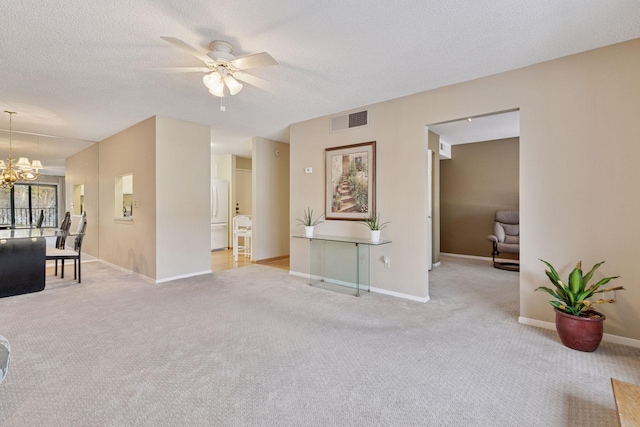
{"x":579,"y":326}
{"x":374,"y":224}
{"x":308,"y":222}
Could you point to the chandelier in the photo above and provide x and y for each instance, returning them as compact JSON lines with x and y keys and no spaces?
{"x":21,"y":171}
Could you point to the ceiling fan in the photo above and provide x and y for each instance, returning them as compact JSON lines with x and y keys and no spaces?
{"x":221,"y":67}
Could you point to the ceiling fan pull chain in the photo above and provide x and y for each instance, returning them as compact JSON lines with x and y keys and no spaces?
{"x":222,"y":106}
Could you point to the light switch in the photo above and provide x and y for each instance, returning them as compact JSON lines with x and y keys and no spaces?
{"x":308,"y":170}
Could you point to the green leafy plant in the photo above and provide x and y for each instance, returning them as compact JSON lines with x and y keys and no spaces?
{"x":571,"y":297}
{"x":307,"y":219}
{"x":373,"y":222}
{"x":337,"y":201}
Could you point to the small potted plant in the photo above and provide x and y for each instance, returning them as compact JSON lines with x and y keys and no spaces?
{"x":374,"y":224}
{"x":579,"y":326}
{"x":308,"y":222}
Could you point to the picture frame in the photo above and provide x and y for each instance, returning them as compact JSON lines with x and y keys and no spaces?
{"x":350,"y":181}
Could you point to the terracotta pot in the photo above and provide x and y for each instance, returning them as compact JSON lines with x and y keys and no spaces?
{"x":580,"y":333}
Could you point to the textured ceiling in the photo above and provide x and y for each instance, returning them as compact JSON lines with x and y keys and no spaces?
{"x":80,"y":69}
{"x":477,"y":129}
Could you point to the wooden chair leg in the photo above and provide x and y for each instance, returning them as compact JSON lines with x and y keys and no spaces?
{"x":79,"y":271}
{"x":62,"y":269}
{"x":55,"y":272}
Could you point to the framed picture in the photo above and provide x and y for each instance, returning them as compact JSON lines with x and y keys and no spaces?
{"x":350,"y":188}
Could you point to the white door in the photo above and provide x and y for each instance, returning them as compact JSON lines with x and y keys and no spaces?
{"x":243,"y":192}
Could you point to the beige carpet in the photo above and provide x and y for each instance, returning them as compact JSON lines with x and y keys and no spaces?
{"x":256,"y":346}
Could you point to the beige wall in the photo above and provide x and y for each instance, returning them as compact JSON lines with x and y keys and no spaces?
{"x":82,"y":168}
{"x":129,"y":244}
{"x":221,"y":166}
{"x":401,"y":178}
{"x":578,"y":173}
{"x":243,"y":163}
{"x":270,"y":199}
{"x":479,"y":179}
{"x":183,"y":221}
{"x":164,"y":240}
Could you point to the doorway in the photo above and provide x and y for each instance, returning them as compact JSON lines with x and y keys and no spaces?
{"x":476,"y":172}
{"x":243,"y":191}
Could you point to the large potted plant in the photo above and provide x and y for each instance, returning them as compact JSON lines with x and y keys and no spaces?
{"x":308,"y":222}
{"x":374,"y":224}
{"x":579,"y":326}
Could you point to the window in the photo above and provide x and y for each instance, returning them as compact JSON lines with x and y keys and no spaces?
{"x":21,"y":205}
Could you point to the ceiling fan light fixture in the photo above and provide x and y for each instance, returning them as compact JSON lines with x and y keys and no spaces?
{"x":233,"y":85}
{"x":212,"y":80}
{"x":218,"y":90}
{"x":220,"y":66}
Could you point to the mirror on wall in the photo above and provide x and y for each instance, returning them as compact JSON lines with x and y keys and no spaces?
{"x":78,"y":199}
{"x":124,"y":196}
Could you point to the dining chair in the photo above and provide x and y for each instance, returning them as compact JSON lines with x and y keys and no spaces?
{"x":61,"y":240}
{"x":5,"y":357}
{"x":242,"y":228}
{"x":63,"y":254}
{"x":40,"y":219}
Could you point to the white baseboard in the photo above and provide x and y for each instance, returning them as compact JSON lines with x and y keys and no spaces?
{"x":482,"y":258}
{"x":150,"y":279}
{"x":371,"y":288}
{"x":615,"y":339}
{"x":183,"y":276}
{"x":295,"y":273}
{"x":399,"y":295}
{"x":332,"y":281}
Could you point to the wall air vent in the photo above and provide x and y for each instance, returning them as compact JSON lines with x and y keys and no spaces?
{"x":353,"y":120}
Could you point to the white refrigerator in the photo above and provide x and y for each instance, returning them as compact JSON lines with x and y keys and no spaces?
{"x":219,"y":214}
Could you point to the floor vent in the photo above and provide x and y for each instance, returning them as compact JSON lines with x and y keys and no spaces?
{"x":349,"y":121}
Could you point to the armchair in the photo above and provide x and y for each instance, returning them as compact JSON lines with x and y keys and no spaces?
{"x":506,"y":238}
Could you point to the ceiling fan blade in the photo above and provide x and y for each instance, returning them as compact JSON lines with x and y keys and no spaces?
{"x":253,"y":81}
{"x":254,"y":61}
{"x":183,"y":69}
{"x":192,"y":50}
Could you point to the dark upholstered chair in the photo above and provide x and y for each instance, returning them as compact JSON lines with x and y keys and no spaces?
{"x":74,"y":254}
{"x":506,"y":238}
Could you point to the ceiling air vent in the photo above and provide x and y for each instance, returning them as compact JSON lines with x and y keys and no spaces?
{"x":352,"y":120}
